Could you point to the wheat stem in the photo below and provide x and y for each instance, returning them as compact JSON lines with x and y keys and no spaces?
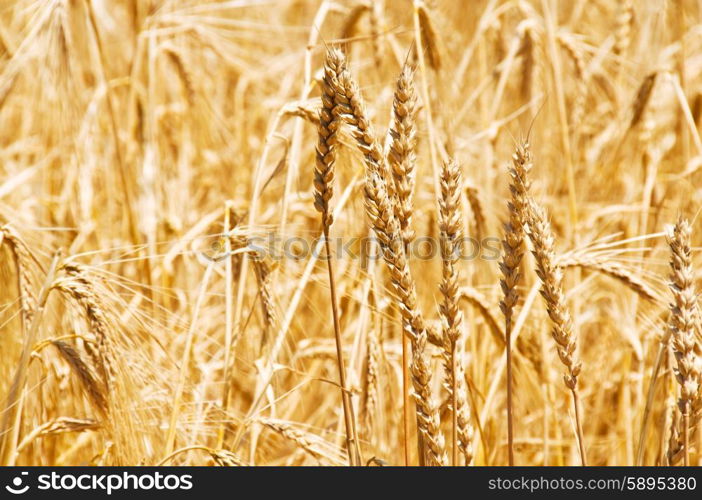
{"x":513,"y":246}
{"x":380,"y":199}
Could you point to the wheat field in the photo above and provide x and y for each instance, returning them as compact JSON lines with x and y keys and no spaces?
{"x":350,"y":232}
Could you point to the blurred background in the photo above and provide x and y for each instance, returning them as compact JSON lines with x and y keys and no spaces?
{"x":142,"y":138}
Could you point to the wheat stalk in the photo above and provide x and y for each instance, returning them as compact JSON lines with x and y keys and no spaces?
{"x":513,"y":246}
{"x":334,"y":66}
{"x":450,"y":223}
{"x":401,"y":158}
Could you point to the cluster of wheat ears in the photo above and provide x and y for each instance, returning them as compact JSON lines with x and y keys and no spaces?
{"x":148,"y":147}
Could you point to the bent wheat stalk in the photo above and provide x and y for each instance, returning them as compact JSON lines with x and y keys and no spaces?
{"x":552,"y":290}
{"x":380,"y":199}
{"x":615,"y":271}
{"x":551,"y":277}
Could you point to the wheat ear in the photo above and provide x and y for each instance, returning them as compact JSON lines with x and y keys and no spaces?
{"x":429,"y":35}
{"x":23,"y":260}
{"x":371,"y":382}
{"x":308,"y":442}
{"x":401,"y":154}
{"x":58,"y":426}
{"x":622,"y":32}
{"x":527,"y":51}
{"x":222,"y":458}
{"x":513,"y":246}
{"x":683,"y":314}
{"x":77,"y":286}
{"x":401,"y":159}
{"x":91,"y":387}
{"x":450,"y":224}
{"x":476,"y":207}
{"x":268,"y":312}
